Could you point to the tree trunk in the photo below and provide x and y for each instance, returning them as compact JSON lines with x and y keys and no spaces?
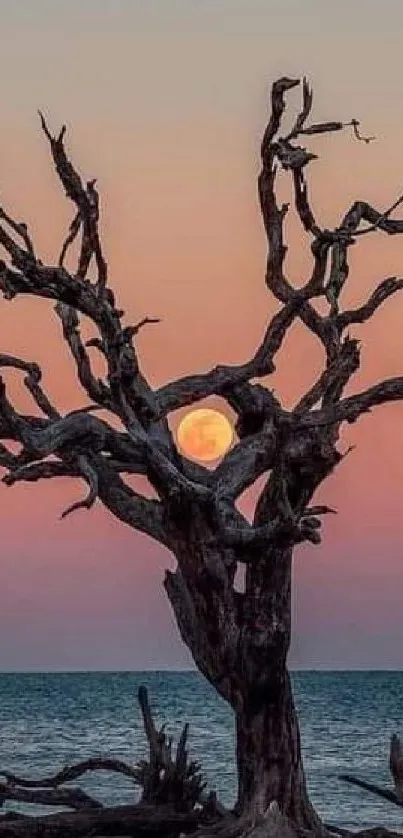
{"x":268,"y":754}
{"x":240,"y":642}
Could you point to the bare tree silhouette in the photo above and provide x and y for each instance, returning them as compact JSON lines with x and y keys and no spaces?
{"x":239,"y":640}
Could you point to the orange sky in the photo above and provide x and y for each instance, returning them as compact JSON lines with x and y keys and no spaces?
{"x":165,"y":103}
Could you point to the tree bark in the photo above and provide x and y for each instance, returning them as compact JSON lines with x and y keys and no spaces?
{"x":240,"y":641}
{"x":268,"y":755}
{"x":268,"y":747}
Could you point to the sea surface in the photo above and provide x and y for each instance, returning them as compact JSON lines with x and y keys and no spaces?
{"x":50,"y":720}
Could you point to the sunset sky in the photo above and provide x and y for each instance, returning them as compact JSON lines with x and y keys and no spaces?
{"x":165,"y":103}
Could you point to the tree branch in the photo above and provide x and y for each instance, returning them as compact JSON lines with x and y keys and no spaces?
{"x":278,"y":91}
{"x":333,"y":378}
{"x":71,"y":797}
{"x":78,"y":440}
{"x":89,"y":473}
{"x":362,"y":211}
{"x":80,"y":444}
{"x":362,"y":784}
{"x":33,"y":472}
{"x":73,"y":772}
{"x":248,"y":459}
{"x":95,"y":389}
{"x":223,"y":379}
{"x":87,"y":203}
{"x":32,"y":383}
{"x":236,"y":532}
{"x":351,"y":408}
{"x":140,"y":513}
{"x":384,"y":290}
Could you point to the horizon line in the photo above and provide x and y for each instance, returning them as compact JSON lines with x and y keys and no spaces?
{"x":184,"y":671}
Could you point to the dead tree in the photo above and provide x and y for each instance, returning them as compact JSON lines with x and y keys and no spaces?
{"x":239,"y":640}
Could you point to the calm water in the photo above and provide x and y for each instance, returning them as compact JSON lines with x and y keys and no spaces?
{"x":48,"y":720}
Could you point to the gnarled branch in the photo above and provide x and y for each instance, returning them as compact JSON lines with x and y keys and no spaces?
{"x":384,"y":290}
{"x":196,"y":515}
{"x":350,"y":409}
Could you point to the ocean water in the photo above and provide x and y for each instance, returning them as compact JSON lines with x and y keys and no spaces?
{"x":50,"y":720}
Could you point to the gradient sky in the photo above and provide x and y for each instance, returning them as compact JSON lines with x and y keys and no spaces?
{"x":165,"y":102}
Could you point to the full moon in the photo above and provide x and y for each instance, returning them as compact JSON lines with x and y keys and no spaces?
{"x":205,"y":434}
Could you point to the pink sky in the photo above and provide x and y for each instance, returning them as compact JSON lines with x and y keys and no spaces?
{"x":165,"y":103}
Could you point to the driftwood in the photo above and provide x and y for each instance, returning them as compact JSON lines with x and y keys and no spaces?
{"x":173,"y":798}
{"x":396,"y":769}
{"x":166,"y":779}
{"x":136,"y":820}
{"x":387,"y":794}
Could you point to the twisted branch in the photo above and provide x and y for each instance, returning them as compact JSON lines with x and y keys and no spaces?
{"x":82,"y":445}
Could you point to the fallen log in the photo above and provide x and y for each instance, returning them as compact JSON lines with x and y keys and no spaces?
{"x":396,"y":769}
{"x":73,"y":772}
{"x":140,"y":820}
{"x":70,"y":798}
{"x":377,"y":832}
{"x":387,"y":794}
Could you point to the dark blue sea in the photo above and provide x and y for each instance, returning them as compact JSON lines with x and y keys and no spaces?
{"x":49,"y":720}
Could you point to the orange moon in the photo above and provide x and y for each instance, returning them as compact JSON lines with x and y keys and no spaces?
{"x":205,"y":434}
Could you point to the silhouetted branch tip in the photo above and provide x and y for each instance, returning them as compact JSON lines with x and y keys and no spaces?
{"x":355,"y":123}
